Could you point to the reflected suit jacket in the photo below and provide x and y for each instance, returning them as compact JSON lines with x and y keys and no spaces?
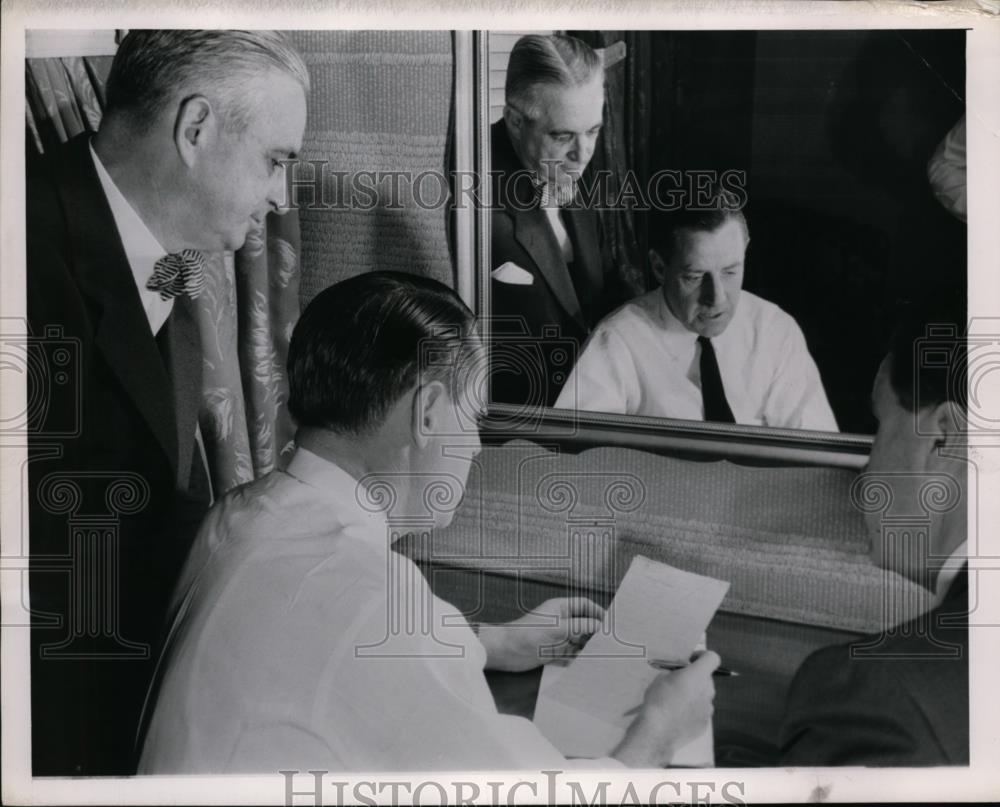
{"x":110,"y":517}
{"x":907,"y":705}
{"x":540,"y":327}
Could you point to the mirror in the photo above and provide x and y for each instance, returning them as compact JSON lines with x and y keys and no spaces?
{"x":822,"y":137}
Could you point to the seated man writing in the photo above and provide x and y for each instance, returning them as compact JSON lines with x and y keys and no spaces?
{"x":301,"y":640}
{"x":902,"y":698}
{"x":697,"y":348}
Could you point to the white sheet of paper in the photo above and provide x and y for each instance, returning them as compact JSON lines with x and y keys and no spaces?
{"x":659,"y":612}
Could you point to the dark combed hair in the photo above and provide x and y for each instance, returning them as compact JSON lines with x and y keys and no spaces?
{"x":362,"y":343}
{"x":928,"y":362}
{"x":718,"y":206}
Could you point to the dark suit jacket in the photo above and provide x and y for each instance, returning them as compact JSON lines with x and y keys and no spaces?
{"x":909,"y":705}
{"x":110,"y":517}
{"x":529,"y":366}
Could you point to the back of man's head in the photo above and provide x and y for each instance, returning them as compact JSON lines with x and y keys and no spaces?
{"x":553,"y":60}
{"x":928,"y":362}
{"x":361,"y":344}
{"x":704,"y":214}
{"x":154,"y":69}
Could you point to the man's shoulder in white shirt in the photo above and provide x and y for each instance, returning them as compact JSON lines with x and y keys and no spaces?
{"x":649,"y":311}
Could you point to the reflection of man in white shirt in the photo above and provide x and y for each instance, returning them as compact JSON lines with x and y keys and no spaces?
{"x":301,"y":640}
{"x":664,"y":354}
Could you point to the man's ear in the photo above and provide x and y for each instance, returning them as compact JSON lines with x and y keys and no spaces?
{"x":657,"y":265}
{"x":514,"y":120}
{"x":195,"y":126}
{"x":428,"y":402}
{"x":947,"y":420}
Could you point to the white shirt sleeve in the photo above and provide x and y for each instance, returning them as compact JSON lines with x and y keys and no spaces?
{"x":604,"y":379}
{"x":796,"y":398}
{"x":417,"y":700}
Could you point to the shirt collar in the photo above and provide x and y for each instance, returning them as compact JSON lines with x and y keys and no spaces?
{"x":949,"y":571}
{"x":142,"y":249}
{"x":346,"y":493}
{"x":137,"y":239}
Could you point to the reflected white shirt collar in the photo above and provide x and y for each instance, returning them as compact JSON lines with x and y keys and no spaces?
{"x":142,"y":248}
{"x":682,"y":341}
{"x":949,"y":571}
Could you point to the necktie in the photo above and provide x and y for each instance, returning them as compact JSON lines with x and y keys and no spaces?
{"x":180,"y":348}
{"x":178,"y":273}
{"x":713,"y":395}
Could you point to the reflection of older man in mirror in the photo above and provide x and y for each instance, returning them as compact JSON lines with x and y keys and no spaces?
{"x":551,"y":280}
{"x":903,"y":698}
{"x":699,"y":347}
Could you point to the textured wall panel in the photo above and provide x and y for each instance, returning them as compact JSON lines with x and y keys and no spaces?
{"x":787,"y":539}
{"x":380,"y":102}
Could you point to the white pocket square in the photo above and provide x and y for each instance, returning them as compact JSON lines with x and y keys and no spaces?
{"x":510,"y":272}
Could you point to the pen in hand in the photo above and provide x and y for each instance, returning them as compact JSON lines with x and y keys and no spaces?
{"x":660,"y":664}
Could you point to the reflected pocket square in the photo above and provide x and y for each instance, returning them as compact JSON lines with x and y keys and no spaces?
{"x":512,"y":273}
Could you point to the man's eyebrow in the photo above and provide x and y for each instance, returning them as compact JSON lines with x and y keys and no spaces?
{"x":555,"y":132}
{"x":688,"y":270}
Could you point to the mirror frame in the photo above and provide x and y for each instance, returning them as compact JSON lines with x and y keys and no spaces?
{"x":574,"y":430}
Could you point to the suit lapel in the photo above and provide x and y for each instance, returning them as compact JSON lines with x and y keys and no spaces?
{"x":533,"y":233}
{"x":531,"y":228}
{"x":122,"y":333}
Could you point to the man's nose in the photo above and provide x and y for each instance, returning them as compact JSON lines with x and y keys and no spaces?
{"x":582,"y":149}
{"x":712,"y":292}
{"x":278,"y":191}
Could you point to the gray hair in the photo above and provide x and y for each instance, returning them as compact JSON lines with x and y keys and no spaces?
{"x":152,"y":67}
{"x":554,"y":60}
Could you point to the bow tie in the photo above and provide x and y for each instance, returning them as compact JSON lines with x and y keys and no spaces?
{"x":562,"y":195}
{"x":178,"y":273}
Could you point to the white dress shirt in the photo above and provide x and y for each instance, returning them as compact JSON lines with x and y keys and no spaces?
{"x":946,"y":172}
{"x":949,"y":570}
{"x":141,"y":247}
{"x":640,"y":360}
{"x":302,"y":641}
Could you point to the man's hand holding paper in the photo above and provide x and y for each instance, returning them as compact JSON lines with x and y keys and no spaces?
{"x":556,"y":629}
{"x":675,"y":710}
{"x":611,"y":701}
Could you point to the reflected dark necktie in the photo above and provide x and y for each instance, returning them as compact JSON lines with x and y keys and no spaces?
{"x":713,"y":395}
{"x":178,"y":273}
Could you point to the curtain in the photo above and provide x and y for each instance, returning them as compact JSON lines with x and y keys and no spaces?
{"x":65,"y":98}
{"x":623,"y":150}
{"x":245,"y":314}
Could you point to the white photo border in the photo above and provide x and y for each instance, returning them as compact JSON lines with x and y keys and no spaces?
{"x":981,"y":781}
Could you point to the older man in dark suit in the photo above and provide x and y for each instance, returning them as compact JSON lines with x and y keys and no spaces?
{"x":551,"y":279}
{"x":902,"y":698}
{"x":188,"y":159}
